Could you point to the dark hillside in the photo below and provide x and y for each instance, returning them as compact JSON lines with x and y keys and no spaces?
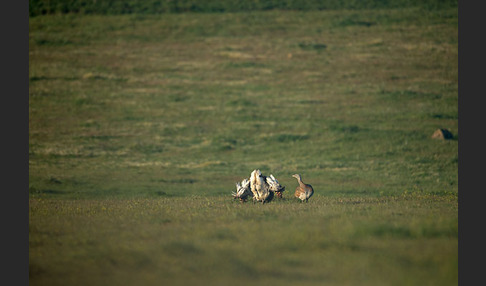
{"x":115,"y":7}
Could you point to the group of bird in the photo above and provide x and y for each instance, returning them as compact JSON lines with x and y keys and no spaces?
{"x":264,"y":188}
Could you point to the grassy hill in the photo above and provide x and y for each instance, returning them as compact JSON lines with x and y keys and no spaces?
{"x":117,"y":7}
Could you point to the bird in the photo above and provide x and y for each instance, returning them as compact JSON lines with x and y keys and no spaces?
{"x":303,"y":191}
{"x":275,"y":186}
{"x":259,"y":187}
{"x":242,"y":190}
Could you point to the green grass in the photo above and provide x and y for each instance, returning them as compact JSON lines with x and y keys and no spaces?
{"x":402,"y":240}
{"x":140,"y":125}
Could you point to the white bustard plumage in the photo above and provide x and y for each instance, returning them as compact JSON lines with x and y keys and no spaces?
{"x":259,"y":187}
{"x":275,"y":186}
{"x":242,"y":190}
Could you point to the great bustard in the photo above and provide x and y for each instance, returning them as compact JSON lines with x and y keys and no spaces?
{"x":275,"y":186}
{"x":303,"y":191}
{"x":260,"y":188}
{"x":242,"y":190}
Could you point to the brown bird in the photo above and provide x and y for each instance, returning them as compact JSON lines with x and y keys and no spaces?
{"x":303,"y":191}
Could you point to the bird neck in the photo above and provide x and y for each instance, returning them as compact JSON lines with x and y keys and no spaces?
{"x":299,"y":179}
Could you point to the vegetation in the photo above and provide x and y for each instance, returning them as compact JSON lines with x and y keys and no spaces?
{"x":116,"y":7}
{"x":140,"y":125}
{"x":399,"y":240}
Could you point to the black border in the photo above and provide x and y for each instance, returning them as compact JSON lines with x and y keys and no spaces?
{"x":15,"y":100}
{"x":471,"y":142}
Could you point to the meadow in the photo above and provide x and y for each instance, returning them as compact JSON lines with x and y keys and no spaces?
{"x":140,"y":126}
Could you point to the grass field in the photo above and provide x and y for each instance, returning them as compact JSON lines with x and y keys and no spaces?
{"x":140,"y":125}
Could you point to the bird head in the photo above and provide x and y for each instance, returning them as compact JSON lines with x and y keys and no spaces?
{"x":297,"y":176}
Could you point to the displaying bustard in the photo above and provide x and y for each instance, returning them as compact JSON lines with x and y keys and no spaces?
{"x":259,"y":187}
{"x":275,"y":186}
{"x":303,"y":191}
{"x":242,"y":190}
